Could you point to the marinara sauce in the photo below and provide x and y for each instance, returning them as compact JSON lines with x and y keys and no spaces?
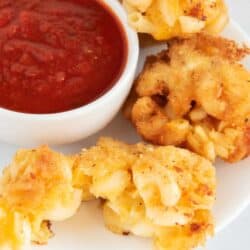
{"x":57,"y":55}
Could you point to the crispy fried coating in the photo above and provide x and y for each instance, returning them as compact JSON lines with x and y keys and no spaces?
{"x":196,"y":95}
{"x":176,"y":179}
{"x":105,"y":168}
{"x":38,"y":184}
{"x":165,"y":19}
{"x":150,"y":191}
{"x":186,"y":237}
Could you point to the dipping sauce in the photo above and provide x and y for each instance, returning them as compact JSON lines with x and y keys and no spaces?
{"x":57,"y":55}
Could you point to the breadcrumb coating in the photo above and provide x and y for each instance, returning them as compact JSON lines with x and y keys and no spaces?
{"x":149,"y":191}
{"x":165,"y":19}
{"x":38,"y":185}
{"x":195,"y":95}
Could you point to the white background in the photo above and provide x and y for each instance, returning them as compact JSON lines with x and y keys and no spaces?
{"x":237,"y":235}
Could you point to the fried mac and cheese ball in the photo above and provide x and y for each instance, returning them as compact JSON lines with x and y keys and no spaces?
{"x":176,"y":179}
{"x":195,"y":95}
{"x":38,"y":184}
{"x":165,"y":193}
{"x":19,"y":230}
{"x":151,"y":191}
{"x":165,"y":19}
{"x":103,"y":171}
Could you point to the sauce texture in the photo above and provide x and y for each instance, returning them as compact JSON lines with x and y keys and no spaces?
{"x":57,"y":55}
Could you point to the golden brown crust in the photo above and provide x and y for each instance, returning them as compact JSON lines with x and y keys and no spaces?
{"x":35,"y":180}
{"x":192,"y":95}
{"x":187,"y":237}
{"x":146,"y":190}
{"x":167,"y":19}
{"x":162,"y":192}
{"x":38,"y":185}
{"x":217,"y":46}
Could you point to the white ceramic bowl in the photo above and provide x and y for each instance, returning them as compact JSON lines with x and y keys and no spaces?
{"x":66,"y":127}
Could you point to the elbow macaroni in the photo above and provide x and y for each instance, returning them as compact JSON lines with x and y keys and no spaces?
{"x":140,"y":5}
{"x":164,"y":19}
{"x":141,"y":23}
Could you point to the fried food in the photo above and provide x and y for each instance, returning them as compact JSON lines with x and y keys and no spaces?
{"x":151,"y":191}
{"x":164,"y":19}
{"x":106,"y":167}
{"x":148,"y":191}
{"x":195,"y":95}
{"x":38,"y":186}
{"x":14,"y":227}
{"x":188,"y":236}
{"x":176,"y":179}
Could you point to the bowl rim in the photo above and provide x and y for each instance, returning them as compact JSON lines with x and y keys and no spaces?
{"x":129,"y":68}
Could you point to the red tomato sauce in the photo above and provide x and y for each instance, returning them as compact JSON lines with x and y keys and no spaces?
{"x":57,"y":55}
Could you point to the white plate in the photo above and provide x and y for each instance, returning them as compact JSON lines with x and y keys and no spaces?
{"x":86,"y":231}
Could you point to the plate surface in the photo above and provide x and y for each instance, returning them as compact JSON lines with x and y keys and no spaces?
{"x":85,"y":231}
